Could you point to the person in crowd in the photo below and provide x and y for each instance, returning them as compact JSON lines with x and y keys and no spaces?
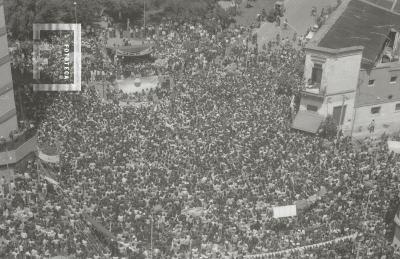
{"x":197,"y":170}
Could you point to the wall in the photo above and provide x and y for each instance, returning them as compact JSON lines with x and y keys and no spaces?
{"x":13,"y":156}
{"x":307,"y":100}
{"x":382,"y":88}
{"x":387,"y":120}
{"x":382,"y":93}
{"x":325,"y":107}
{"x":340,"y":71}
{"x":337,"y":100}
{"x":7,"y":103}
{"x":3,"y":42}
{"x":2,"y":20}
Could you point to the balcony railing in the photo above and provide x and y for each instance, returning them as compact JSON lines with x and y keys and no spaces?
{"x":13,"y":156}
{"x":313,"y":89}
{"x":17,"y":141}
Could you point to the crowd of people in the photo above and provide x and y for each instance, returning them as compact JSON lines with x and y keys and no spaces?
{"x":197,"y":173}
{"x":36,"y":221}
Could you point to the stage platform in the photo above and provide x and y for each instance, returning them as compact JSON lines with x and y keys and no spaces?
{"x":138,"y":85}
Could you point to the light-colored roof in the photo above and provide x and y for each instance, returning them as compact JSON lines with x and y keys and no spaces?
{"x":307,"y":121}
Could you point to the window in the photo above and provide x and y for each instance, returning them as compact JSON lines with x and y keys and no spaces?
{"x":316,"y":75}
{"x":312,"y":108}
{"x":375,"y":110}
{"x":397,"y":107}
{"x":393,"y":79}
{"x":371,"y":82}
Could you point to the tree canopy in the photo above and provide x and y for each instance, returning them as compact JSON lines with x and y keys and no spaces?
{"x":21,"y":14}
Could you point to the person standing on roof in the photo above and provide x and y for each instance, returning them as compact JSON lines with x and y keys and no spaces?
{"x":371,"y":126}
{"x":314,"y":11}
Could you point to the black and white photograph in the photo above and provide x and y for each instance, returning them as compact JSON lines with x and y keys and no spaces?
{"x":200,"y":129}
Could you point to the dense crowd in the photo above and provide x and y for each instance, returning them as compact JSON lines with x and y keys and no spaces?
{"x":37,"y":221}
{"x":198,"y":172}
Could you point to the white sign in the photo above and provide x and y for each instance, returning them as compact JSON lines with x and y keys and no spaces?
{"x":48,"y":158}
{"x":394,"y":146}
{"x":284,"y":211}
{"x":50,"y":180}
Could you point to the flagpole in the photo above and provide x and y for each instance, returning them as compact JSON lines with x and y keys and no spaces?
{"x":190,"y":245}
{"x":358,"y":250}
{"x":144,"y":18}
{"x":151,"y":237}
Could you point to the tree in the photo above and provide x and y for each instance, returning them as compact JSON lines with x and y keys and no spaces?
{"x":21,"y":14}
{"x":188,"y":9}
{"x":328,"y":127}
{"x":19,"y":17}
{"x":121,"y":10}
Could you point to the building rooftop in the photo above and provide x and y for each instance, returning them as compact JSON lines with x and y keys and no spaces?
{"x":387,"y":4}
{"x":361,"y":23}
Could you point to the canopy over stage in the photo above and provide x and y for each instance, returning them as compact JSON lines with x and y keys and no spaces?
{"x":132,"y":85}
{"x":134,"y":50}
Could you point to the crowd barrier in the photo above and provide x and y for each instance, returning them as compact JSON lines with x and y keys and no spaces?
{"x":302,"y":248}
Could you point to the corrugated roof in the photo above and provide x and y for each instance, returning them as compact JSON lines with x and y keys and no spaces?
{"x":361,"y":24}
{"x":307,"y":121}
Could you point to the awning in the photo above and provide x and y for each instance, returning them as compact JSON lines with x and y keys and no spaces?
{"x":307,"y":121}
{"x":394,"y":146}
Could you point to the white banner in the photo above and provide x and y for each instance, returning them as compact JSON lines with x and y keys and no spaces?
{"x":195,"y":212}
{"x":49,"y":159}
{"x":51,"y":180}
{"x":302,"y":248}
{"x":284,"y":211}
{"x":394,"y":146}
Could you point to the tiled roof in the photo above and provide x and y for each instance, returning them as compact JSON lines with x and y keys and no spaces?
{"x":361,"y":24}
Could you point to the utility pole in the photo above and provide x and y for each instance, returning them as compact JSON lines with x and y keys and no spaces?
{"x":190,"y":246}
{"x":341,"y":117}
{"x":144,"y":18}
{"x":358,"y":250}
{"x":366,"y":207}
{"x":76,"y":21}
{"x":151,"y":236}
{"x":353,"y":122}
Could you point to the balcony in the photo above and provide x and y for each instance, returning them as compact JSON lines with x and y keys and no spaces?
{"x":313,"y":90}
{"x":13,"y":151}
{"x":389,"y":55}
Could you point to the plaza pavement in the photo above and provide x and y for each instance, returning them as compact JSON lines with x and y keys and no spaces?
{"x":298,"y":14}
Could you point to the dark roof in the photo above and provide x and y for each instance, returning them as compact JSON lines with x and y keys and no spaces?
{"x":361,"y":24}
{"x":307,"y":121}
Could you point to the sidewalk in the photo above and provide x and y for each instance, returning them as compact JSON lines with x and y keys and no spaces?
{"x":392,"y":129}
{"x":298,"y":14}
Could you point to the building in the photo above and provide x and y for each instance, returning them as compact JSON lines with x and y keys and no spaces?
{"x":8,"y":113}
{"x":12,"y":151}
{"x":352,"y":71}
